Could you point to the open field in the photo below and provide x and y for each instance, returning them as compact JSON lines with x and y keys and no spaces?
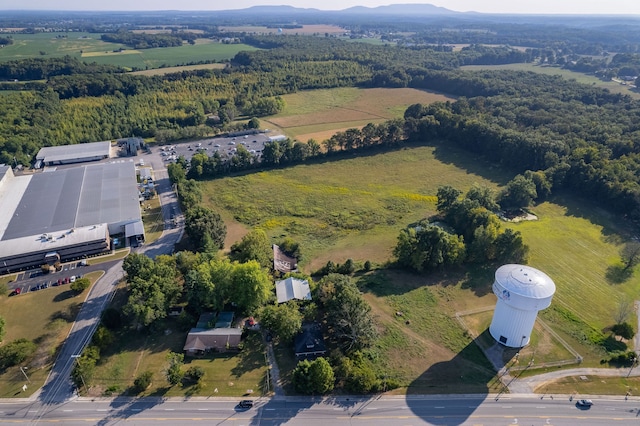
{"x":320,"y":29}
{"x":569,"y":75}
{"x":335,"y":216}
{"x":592,"y":385}
{"x":44,"y":316}
{"x":89,"y":47}
{"x":318,"y":114}
{"x":169,"y":70}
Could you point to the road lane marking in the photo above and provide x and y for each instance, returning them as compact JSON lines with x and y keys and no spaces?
{"x":438,"y":407}
{"x":203,"y":409}
{"x":169,"y":409}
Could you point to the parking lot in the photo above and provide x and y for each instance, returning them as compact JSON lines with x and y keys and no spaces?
{"x":226,"y":146}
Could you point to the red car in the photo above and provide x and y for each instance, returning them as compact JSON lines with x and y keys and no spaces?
{"x":16,"y":292}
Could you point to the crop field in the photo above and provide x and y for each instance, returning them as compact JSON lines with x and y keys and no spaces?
{"x":318,"y":114}
{"x":569,"y":75}
{"x":89,"y":47}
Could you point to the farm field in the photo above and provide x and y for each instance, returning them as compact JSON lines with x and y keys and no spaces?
{"x":169,"y":70}
{"x":570,"y":75}
{"x":44,"y":316}
{"x":88,"y":47}
{"x":318,"y":114}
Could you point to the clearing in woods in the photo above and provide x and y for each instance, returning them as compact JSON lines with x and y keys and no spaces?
{"x":319,"y":114}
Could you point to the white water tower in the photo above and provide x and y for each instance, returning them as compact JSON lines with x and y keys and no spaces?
{"x":522,"y":291}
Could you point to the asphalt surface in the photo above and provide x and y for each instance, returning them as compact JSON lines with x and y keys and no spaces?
{"x":418,"y":410}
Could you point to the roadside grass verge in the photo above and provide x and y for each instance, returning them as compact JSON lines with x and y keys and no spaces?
{"x":152,"y":219}
{"x":118,"y":254}
{"x":6,"y":279}
{"x":592,"y":385}
{"x":44,"y":317}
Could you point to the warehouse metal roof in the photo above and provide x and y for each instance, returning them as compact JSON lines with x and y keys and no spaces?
{"x":52,"y":241}
{"x":74,"y":152}
{"x":75,"y":197}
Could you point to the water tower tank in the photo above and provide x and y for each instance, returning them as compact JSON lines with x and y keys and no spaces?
{"x":522,"y":291}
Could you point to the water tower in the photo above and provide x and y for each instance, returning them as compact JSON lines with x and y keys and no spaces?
{"x":522,"y":291}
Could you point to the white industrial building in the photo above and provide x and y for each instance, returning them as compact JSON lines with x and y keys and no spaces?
{"x":68,"y":154}
{"x":66,"y":214}
{"x":522,"y":291}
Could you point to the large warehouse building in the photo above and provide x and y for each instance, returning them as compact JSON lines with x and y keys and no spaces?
{"x":66,"y":214}
{"x":68,"y":154}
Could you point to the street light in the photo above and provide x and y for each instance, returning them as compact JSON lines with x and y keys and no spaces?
{"x":25,"y":374}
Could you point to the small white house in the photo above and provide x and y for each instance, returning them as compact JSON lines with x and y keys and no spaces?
{"x":292,"y":288}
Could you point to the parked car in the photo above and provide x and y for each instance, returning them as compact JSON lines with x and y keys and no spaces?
{"x":16,"y":292}
{"x":245,"y":403}
{"x":72,"y":279}
{"x":35,"y":288}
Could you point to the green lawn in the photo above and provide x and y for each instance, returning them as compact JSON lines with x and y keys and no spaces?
{"x":226,"y":374}
{"x":44,"y":316}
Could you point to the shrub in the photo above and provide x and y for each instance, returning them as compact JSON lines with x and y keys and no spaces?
{"x":624,"y":330}
{"x":16,"y":352}
{"x":194,"y":374}
{"x":142,"y":382}
{"x":80,"y":285}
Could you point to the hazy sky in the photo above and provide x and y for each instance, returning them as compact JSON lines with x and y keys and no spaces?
{"x":614,"y":7}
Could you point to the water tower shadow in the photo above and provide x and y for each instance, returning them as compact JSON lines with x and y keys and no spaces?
{"x":465,"y":381}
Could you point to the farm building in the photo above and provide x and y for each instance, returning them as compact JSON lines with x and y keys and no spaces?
{"x":69,"y":154}
{"x":65,"y":214}
{"x":522,"y":291}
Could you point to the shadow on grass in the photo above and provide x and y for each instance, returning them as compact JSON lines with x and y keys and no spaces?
{"x":252,"y":356}
{"x":67,"y":294}
{"x":389,"y":282}
{"x":468,"y":372}
{"x":618,"y":274}
{"x":68,"y":315}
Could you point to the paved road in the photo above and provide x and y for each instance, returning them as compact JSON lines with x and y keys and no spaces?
{"x":440,"y":410}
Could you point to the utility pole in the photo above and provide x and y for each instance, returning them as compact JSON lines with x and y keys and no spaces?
{"x":25,"y":374}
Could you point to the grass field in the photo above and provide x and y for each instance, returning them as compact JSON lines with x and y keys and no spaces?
{"x":336,"y":216}
{"x":169,"y":70}
{"x":569,"y":75}
{"x":45,"y":316}
{"x":318,"y":114}
{"x":89,"y":47}
{"x":152,"y":219}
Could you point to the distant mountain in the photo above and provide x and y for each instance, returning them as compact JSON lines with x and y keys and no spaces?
{"x":274,"y":10}
{"x":401,"y":9}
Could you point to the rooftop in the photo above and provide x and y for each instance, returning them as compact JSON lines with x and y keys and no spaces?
{"x":68,"y":152}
